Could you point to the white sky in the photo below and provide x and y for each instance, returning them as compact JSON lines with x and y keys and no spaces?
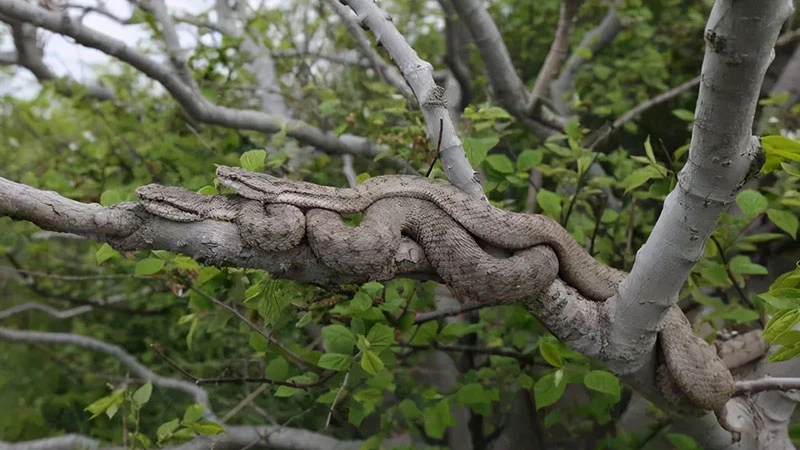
{"x":65,"y":57}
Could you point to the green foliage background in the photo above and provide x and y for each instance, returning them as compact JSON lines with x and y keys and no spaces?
{"x":158,"y":303}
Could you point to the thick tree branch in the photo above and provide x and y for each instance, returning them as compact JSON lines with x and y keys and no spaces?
{"x":198,"y":395}
{"x":196,"y":106}
{"x":721,"y":156}
{"x":419,"y":75}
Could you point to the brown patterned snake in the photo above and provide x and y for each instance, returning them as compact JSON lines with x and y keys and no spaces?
{"x":446,"y":223}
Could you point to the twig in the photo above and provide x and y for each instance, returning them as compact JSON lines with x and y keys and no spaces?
{"x":728,"y":271}
{"x":657,"y":100}
{"x":436,"y":315}
{"x":35,"y":306}
{"x":749,"y":387}
{"x":349,"y":171}
{"x":336,"y":399}
{"x":438,"y":149}
{"x":270,"y":338}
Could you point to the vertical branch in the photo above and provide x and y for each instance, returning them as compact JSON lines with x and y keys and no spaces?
{"x":557,"y":53}
{"x":419,"y":75}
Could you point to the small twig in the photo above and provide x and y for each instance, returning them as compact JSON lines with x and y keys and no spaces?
{"x":728,"y":271}
{"x":248,"y":400}
{"x":438,"y":148}
{"x":270,"y":338}
{"x":436,"y":315}
{"x":336,"y":399}
{"x":464,"y":348}
{"x":749,"y":387}
{"x":657,"y":100}
{"x":160,"y":352}
{"x":581,"y":182}
{"x":788,"y":37}
{"x":349,"y":171}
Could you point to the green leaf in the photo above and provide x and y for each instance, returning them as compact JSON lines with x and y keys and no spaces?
{"x":409,"y":409}
{"x":472,"y":394}
{"x":304,"y":320}
{"x":682,"y":441}
{"x":371,"y":363}
{"x":477,"y":148}
{"x":500,"y":163}
{"x":380,"y":337}
{"x":437,"y":419}
{"x":338,"y":339}
{"x":108,"y":405}
{"x":373,"y":289}
{"x":426,"y":333}
{"x":549,"y":389}
{"x":458,"y":329}
{"x":166,"y":429}
{"x":148,"y":266}
{"x":573,"y":129}
{"x":529,"y":159}
{"x":253,"y":160}
{"x":207,"y":428}
{"x":360,"y":302}
{"x":648,"y":149}
{"x":550,"y":353}
{"x":780,"y":323}
{"x":602,"y":381}
{"x":335,"y":361}
{"x":751,"y":202}
{"x":258,"y":342}
{"x":142,"y":395}
{"x":742,"y":265}
{"x":104,"y":253}
{"x":785,"y":220}
{"x":683,"y":114}
{"x":277,"y":369}
{"x":112,"y":196}
{"x":785,"y":353}
{"x":550,"y":203}
{"x":640,"y":176}
{"x":193,"y":413}
{"x":782,"y":298}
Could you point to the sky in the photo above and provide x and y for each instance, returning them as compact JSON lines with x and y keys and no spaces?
{"x":65,"y":57}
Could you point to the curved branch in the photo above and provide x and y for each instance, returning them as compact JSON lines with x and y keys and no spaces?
{"x":196,"y":106}
{"x":198,"y":394}
{"x":419,"y":75}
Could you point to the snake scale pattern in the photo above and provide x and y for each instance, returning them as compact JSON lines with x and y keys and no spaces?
{"x":276,"y":213}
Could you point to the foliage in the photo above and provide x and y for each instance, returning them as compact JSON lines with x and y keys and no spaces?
{"x":348,"y":359}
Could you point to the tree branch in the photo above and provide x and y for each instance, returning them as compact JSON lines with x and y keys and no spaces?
{"x":197,"y":394}
{"x":381,"y":67}
{"x":197,"y":107}
{"x":506,"y":84}
{"x":557,"y":54}
{"x":594,"y":40}
{"x":419,"y":75}
{"x":234,"y":438}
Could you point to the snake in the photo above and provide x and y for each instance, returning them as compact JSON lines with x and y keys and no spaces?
{"x":455,"y":231}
